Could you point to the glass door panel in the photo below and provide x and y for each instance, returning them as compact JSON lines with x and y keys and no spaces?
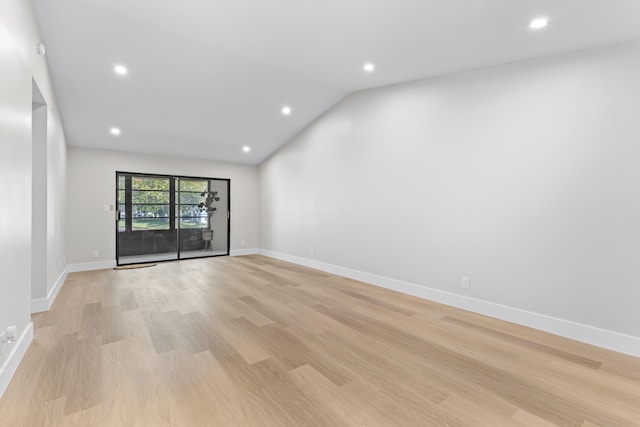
{"x":146,"y":232}
{"x":220,"y":219}
{"x":192,"y":220}
{"x":202,"y":217}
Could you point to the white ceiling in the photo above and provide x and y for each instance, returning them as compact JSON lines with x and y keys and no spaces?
{"x":209,"y":76}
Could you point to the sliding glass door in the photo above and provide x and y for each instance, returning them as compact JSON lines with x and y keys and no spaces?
{"x":162,"y":217}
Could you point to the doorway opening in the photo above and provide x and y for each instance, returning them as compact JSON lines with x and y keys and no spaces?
{"x":38,"y":194}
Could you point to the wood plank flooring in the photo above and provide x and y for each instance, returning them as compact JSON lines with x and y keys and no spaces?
{"x":252,"y":341}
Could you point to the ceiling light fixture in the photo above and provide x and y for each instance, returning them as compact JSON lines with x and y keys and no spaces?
{"x":120,"y":70}
{"x":286,"y":110}
{"x":115,"y":131}
{"x":538,"y":23}
{"x":369,"y":67}
{"x":246,"y":148}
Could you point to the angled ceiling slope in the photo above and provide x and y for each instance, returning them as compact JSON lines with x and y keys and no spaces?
{"x":205,"y":78}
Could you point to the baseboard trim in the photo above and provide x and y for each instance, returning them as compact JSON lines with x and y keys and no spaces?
{"x":90,"y":266}
{"x":44,"y":304}
{"x":584,"y":333}
{"x":242,"y":252}
{"x":10,"y":365}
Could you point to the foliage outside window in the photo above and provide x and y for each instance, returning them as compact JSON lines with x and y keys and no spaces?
{"x":149,"y":203}
{"x":190,"y":197}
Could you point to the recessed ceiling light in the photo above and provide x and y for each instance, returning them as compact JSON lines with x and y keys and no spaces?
{"x":120,"y":69}
{"x":286,"y":110}
{"x":115,"y":131}
{"x":246,"y":148}
{"x":538,"y":23}
{"x":369,"y":67}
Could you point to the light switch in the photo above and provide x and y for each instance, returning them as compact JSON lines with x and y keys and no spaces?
{"x":11,"y":333}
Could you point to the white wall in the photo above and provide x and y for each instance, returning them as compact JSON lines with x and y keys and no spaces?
{"x":19,"y":64}
{"x":56,"y":200}
{"x":524,"y":177}
{"x":91,"y":185}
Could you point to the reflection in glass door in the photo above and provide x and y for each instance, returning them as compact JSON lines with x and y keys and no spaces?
{"x":164,"y":218}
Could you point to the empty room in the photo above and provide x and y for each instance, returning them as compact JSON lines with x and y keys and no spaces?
{"x":333,"y":213}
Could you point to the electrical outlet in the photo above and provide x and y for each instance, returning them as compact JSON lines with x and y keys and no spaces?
{"x":242,"y":243}
{"x":96,"y":253}
{"x":313,"y":252}
{"x":465,"y":283}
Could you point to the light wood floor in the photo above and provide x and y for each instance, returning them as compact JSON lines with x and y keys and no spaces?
{"x":250,"y":341}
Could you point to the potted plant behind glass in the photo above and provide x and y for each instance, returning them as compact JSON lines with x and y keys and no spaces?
{"x":207,"y":206}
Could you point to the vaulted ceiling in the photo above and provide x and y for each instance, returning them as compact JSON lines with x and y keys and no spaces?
{"x":207,"y":77}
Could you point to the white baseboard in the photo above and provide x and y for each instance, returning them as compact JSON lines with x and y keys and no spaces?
{"x":241,"y":252}
{"x":588,"y":334}
{"x":10,"y":365}
{"x":44,"y":304}
{"x":90,"y":266}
